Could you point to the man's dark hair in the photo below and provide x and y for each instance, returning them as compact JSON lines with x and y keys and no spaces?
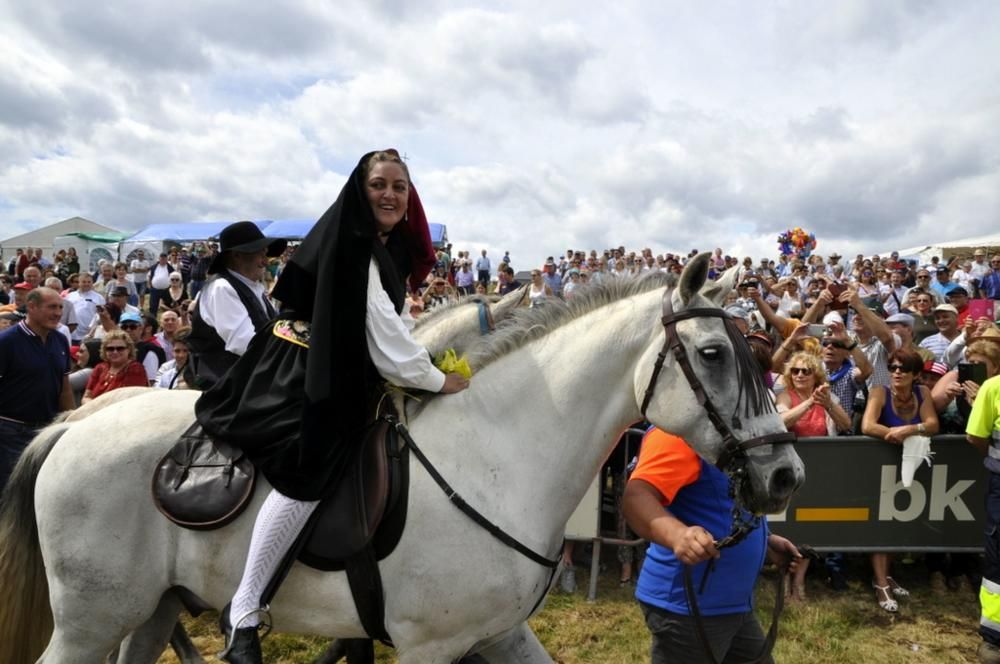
{"x":509,"y":271}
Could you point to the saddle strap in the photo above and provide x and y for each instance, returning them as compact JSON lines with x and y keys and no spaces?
{"x":366,"y":586}
{"x":772,"y":633}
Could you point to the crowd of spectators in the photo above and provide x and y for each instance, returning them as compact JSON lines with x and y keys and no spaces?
{"x":878,"y":345}
{"x":126,"y":322}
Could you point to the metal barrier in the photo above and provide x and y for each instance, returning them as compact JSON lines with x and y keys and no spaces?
{"x":585,"y":523}
{"x":853,"y":500}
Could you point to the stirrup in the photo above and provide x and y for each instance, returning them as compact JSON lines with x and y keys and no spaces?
{"x":897,"y":590}
{"x":889,"y":604}
{"x":264,"y":623}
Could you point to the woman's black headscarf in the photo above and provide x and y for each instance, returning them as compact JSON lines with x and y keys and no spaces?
{"x":326,"y":282}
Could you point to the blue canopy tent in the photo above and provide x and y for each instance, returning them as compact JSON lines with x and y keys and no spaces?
{"x":289,"y":229}
{"x":439,"y":235}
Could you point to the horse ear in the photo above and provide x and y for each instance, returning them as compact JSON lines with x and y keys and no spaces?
{"x":511,"y":301}
{"x":716,"y":291}
{"x":694,"y":276}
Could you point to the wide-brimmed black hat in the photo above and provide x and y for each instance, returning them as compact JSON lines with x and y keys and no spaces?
{"x":245,"y":237}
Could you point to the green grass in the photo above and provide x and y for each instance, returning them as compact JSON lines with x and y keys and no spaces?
{"x":830,"y":627}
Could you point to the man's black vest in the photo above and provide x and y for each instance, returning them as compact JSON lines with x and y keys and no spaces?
{"x":208,"y":350}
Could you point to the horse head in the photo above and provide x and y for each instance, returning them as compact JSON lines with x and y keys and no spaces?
{"x":711,"y":392}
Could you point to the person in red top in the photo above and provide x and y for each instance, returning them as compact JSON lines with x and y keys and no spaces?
{"x":118,"y":369}
{"x":680,"y":504}
{"x":807,"y":402}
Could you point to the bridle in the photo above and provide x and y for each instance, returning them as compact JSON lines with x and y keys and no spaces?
{"x":732,"y":459}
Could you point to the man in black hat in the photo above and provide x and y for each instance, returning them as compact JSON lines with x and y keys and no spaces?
{"x":233,"y":304}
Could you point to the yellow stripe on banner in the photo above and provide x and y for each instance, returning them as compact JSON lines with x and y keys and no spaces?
{"x":831,"y":514}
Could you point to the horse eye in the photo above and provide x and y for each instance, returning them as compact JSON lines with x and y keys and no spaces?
{"x":710,"y":354}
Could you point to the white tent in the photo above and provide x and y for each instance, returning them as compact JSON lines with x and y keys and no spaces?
{"x":962,"y":248}
{"x":42,"y":238}
{"x":90,"y":247}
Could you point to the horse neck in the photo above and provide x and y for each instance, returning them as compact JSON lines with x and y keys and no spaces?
{"x":551,"y":414}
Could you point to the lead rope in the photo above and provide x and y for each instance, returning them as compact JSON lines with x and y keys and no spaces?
{"x":742,"y":526}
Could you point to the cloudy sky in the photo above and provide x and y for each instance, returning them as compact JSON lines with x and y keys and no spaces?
{"x":531,"y":127}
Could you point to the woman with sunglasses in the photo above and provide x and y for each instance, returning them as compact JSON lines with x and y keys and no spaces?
{"x":119,"y":367}
{"x":920,"y":303}
{"x":866,"y":284}
{"x":808,"y":409}
{"x":896,"y":411}
{"x":175,"y":297}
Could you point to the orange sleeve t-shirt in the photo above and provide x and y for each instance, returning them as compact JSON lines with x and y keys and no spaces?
{"x":667,"y":463}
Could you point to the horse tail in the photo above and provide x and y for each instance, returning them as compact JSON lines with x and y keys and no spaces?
{"x":25,"y":614}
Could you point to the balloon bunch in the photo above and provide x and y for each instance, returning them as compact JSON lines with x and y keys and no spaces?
{"x":796,"y":242}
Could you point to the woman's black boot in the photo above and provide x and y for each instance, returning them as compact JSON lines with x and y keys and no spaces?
{"x":244,"y":647}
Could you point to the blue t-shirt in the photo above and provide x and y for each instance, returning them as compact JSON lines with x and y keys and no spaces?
{"x":31,"y":373}
{"x":704,"y":502}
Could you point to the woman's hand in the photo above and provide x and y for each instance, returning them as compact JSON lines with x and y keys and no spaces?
{"x":970,"y":389}
{"x":954,"y":390}
{"x":897,"y":435}
{"x":454,"y":382}
{"x":969,"y":328}
{"x":821,"y":395}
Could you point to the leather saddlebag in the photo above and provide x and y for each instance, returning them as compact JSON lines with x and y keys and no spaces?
{"x":202,"y":484}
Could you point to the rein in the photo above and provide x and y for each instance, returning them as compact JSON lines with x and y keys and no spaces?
{"x":474,"y":514}
{"x":732,"y":459}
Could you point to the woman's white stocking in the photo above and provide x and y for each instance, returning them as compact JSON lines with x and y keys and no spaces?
{"x":278,"y":523}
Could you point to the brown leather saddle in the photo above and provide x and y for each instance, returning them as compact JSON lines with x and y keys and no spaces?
{"x":202,"y":484}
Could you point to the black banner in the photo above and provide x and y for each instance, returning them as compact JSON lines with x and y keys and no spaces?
{"x":854,"y":500}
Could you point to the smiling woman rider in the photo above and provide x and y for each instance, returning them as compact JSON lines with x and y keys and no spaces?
{"x":297,"y":400}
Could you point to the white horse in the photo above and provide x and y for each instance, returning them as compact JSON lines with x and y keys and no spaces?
{"x":552,"y":393}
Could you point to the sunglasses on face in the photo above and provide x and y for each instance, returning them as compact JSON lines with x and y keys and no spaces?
{"x":893,"y":368}
{"x":130,"y":326}
{"x":116,"y":349}
{"x":833,"y":343}
{"x":800,"y":371}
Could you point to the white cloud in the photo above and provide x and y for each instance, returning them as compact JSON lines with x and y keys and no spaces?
{"x":530,"y":128}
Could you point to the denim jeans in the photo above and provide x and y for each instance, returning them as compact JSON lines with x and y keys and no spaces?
{"x":734,"y":638}
{"x":14,"y":438}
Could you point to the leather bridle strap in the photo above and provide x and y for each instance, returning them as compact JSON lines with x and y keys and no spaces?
{"x":732,"y":447}
{"x":673,"y":344}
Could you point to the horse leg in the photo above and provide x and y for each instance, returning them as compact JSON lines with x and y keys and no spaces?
{"x":520,"y":646}
{"x":147,"y":642}
{"x":183,"y":647}
{"x":357,"y":651}
{"x":72,"y":647}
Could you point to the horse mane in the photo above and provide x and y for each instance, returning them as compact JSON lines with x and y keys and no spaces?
{"x":527,"y":325}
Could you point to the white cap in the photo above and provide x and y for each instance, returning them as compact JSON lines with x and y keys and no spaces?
{"x":833,"y":317}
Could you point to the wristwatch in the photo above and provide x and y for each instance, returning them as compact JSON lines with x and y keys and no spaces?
{"x":921,"y":429}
